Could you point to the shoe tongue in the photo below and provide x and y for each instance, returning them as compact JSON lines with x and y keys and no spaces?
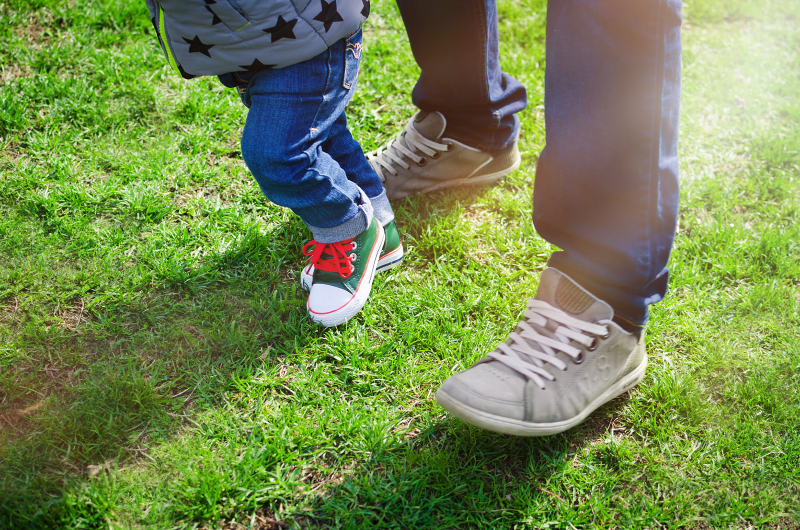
{"x":431,"y":125}
{"x":561,"y":291}
{"x":328,"y":276}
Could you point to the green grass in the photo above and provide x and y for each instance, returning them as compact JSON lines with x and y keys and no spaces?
{"x":157,"y":368}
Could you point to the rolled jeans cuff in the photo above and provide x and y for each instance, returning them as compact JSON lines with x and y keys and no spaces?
{"x":383,"y":210}
{"x":350,"y":228}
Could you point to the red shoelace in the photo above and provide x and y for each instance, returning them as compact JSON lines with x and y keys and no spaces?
{"x":338,"y":261}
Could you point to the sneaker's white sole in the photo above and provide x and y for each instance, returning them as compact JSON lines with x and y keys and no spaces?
{"x":492,"y":422}
{"x":386,"y":262}
{"x":390,"y":260}
{"x":359,"y":298}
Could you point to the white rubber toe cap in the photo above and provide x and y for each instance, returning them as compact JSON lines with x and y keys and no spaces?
{"x":331,"y":306}
{"x":325,"y":299}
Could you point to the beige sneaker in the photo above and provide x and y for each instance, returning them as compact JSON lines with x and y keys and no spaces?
{"x":421,"y":160}
{"x":565,"y":359}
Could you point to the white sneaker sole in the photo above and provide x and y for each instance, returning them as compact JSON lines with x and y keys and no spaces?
{"x":350,"y":308}
{"x":390,"y":260}
{"x":492,"y":422}
{"x":386,"y":262}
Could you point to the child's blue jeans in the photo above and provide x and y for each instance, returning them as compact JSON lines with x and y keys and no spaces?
{"x":297,"y":145}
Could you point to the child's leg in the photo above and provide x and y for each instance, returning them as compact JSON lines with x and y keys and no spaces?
{"x":345,"y":150}
{"x":342,"y":147}
{"x":292,"y":113}
{"x":292,"y":116}
{"x":348,"y":153}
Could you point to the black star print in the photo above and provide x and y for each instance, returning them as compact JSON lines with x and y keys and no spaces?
{"x":196,"y":46}
{"x":256,"y":66}
{"x":328,"y":15}
{"x":365,"y":11}
{"x":216,"y":20}
{"x":282,"y":30}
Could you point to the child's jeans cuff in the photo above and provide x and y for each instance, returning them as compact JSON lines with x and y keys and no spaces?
{"x":383,"y":210}
{"x":350,"y":228}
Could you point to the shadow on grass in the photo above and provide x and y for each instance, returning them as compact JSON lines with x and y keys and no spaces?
{"x":130,"y":374}
{"x":453,"y":475}
{"x":120,"y":379}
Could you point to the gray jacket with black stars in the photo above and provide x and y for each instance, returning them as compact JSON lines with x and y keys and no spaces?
{"x":212,"y":37}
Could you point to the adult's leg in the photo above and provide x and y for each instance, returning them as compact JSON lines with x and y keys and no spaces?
{"x":606,"y":192}
{"x":466,"y":131}
{"x":455,"y":43}
{"x":606,"y":188}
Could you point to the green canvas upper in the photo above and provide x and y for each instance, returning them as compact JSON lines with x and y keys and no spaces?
{"x":392,"y":238}
{"x":365,"y":241}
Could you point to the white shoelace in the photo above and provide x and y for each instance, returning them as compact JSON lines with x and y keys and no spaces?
{"x":405,"y":144}
{"x":521,"y":357}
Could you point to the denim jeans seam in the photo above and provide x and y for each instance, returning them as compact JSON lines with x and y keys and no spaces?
{"x":312,"y":126}
{"x":331,"y":86}
{"x":658,"y":95}
{"x":347,"y":86}
{"x":347,"y":47}
{"x":325,"y":90}
{"x":482,"y":20}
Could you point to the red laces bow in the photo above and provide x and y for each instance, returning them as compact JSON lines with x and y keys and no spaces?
{"x":339,"y":261}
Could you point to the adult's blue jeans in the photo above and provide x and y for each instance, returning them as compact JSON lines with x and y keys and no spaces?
{"x":606,"y":189}
{"x":297,"y":145}
{"x":455,"y":44}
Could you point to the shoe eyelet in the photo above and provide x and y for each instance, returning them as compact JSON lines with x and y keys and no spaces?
{"x":608,"y":333}
{"x":355,"y":245}
{"x":593,"y":345}
{"x":422,"y":161}
{"x":449,"y":146}
{"x":578,"y":359}
{"x":436,"y":154}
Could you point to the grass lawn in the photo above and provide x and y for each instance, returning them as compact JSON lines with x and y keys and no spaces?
{"x":157,"y":368}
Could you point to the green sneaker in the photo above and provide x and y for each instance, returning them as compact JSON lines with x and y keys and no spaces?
{"x":391,"y":256}
{"x":343,"y":274}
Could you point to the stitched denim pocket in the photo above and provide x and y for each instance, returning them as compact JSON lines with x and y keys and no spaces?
{"x":352,"y":59}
